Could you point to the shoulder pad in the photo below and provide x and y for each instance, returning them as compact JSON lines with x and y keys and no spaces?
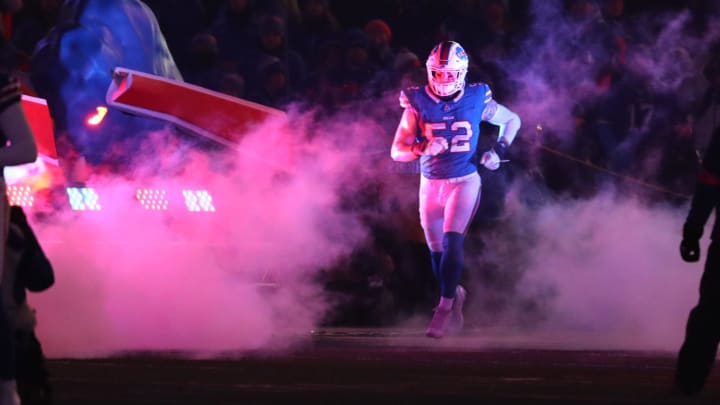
{"x":480,"y":90}
{"x":404,"y":101}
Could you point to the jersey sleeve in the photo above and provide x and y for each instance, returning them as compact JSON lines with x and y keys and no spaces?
{"x":487,"y":94}
{"x":404,"y":100}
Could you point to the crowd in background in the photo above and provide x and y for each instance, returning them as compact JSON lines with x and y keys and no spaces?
{"x":327,"y":56}
{"x":333,"y":54}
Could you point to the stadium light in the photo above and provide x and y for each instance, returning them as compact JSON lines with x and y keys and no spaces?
{"x":198,"y":201}
{"x":83,"y":199}
{"x":152,"y":199}
{"x":20,"y":195}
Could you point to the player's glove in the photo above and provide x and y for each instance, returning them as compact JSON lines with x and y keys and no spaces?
{"x":492,"y":158}
{"x":690,"y":250}
{"x":690,"y":244}
{"x":431,"y":147}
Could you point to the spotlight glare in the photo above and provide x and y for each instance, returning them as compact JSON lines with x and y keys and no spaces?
{"x":20,"y":195}
{"x":198,"y":201}
{"x":152,"y":199}
{"x":97,"y":118}
{"x":83,"y":199}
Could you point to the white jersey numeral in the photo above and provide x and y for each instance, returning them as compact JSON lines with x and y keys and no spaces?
{"x":459,"y":142}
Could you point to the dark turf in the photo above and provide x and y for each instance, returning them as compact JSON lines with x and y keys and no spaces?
{"x":375,"y":366}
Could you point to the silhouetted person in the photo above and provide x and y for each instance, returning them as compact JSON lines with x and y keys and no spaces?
{"x":18,"y":147}
{"x":26,"y":269}
{"x":702,"y":335}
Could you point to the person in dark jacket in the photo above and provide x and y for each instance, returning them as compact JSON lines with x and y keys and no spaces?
{"x":27,"y":268}
{"x":19,"y":147}
{"x":697,"y":354}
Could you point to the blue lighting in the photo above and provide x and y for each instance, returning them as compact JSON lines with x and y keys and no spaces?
{"x":83,"y":199}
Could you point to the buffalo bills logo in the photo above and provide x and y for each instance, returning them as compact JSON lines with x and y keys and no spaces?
{"x":460,"y":53}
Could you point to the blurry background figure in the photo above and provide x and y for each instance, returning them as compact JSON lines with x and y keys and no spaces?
{"x":235,"y":28}
{"x":31,"y":24}
{"x":274,"y":88}
{"x":273,"y":46}
{"x":203,"y":68}
{"x":180,"y":21}
{"x":233,"y":84}
{"x":707,"y":112}
{"x":26,"y":268}
{"x":18,"y":148}
{"x":380,"y":36}
{"x":317,"y":24}
{"x":408,"y":70}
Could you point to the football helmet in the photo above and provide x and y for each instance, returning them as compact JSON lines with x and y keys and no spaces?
{"x":447,"y":66}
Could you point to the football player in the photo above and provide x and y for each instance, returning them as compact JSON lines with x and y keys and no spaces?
{"x":440,"y":125}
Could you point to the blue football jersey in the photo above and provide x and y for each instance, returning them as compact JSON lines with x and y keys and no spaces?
{"x":458,"y":120}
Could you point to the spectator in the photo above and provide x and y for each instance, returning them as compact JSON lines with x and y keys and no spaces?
{"x":408,"y":70}
{"x":179,"y":25}
{"x":273,"y":45}
{"x":380,"y":35}
{"x":236,"y":32}
{"x":203,"y":68}
{"x":316,"y":26}
{"x":274,"y":90}
{"x":233,"y":84}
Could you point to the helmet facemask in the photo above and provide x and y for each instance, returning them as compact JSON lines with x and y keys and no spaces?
{"x":446,"y":68}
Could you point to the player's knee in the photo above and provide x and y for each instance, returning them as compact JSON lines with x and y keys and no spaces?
{"x":436,"y":246}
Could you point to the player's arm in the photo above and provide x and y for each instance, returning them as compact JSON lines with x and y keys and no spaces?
{"x":21,"y":147}
{"x":705,"y":197}
{"x":404,"y":147}
{"x":508,"y":121}
{"x":509,"y":124}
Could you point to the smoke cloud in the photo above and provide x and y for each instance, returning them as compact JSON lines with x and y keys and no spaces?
{"x":239,"y":278}
{"x":602,"y":271}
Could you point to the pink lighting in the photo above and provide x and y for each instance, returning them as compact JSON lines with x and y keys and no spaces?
{"x":152,"y":199}
{"x":20,"y":195}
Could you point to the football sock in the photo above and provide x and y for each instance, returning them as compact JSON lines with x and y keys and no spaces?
{"x":451,"y":265}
